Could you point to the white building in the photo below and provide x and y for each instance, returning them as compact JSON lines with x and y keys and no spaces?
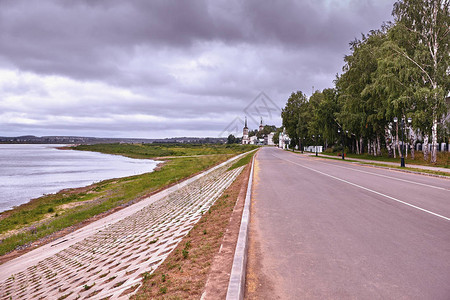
{"x":284,"y":140}
{"x":270,"y":139}
{"x":253,"y":140}
{"x":245,"y":139}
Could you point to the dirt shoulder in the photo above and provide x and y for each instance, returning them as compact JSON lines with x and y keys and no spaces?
{"x":201,"y":264}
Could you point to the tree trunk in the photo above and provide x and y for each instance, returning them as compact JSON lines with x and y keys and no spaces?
{"x":434,"y":55}
{"x":413,"y":139}
{"x":388,"y":138}
{"x":357,"y":147}
{"x":425,"y":147}
{"x":361,"y":145}
{"x":396,"y":140}
{"x":368,"y":147}
{"x":378,"y":145}
{"x":434,"y":142}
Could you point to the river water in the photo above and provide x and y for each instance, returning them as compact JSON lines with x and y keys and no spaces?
{"x":30,"y":171}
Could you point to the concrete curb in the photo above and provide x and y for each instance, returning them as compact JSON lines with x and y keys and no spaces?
{"x":236,"y":286}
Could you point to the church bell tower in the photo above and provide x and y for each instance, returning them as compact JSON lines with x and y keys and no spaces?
{"x":245,"y":139}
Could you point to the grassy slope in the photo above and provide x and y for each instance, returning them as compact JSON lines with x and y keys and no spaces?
{"x":105,"y":195}
{"x":160,"y":150}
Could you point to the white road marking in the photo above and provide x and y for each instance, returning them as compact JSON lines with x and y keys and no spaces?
{"x":367,"y":189}
{"x":395,"y":178}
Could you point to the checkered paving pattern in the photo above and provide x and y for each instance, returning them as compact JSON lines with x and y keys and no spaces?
{"x":109,"y":264}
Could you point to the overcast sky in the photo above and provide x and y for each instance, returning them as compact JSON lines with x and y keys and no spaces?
{"x":153,"y":69}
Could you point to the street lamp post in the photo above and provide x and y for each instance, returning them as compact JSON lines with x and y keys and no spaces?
{"x":402,"y":127}
{"x":304,"y":141}
{"x":301,"y":145}
{"x":315,"y":144}
{"x":409,"y":123}
{"x":342,"y":141}
{"x":343,"y":151}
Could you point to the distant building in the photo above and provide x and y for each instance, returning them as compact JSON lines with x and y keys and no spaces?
{"x":253,"y":140}
{"x":245,"y":139}
{"x":284,"y":140}
{"x":261,"y":126}
{"x":269,"y":139}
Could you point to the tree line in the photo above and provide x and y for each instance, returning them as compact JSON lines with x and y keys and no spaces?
{"x":398,"y":72}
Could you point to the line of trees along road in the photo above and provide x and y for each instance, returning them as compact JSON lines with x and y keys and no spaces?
{"x":400,"y":70}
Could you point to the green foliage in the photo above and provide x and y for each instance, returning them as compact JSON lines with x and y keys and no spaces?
{"x":276,"y":137}
{"x":296,"y":116}
{"x":231,"y":139}
{"x":363,"y":105}
{"x":400,"y":70}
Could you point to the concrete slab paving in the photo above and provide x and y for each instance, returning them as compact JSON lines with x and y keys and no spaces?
{"x":106,"y":259}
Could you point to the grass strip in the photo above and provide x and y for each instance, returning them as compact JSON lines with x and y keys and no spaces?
{"x":161,"y":150}
{"x":242,"y":162}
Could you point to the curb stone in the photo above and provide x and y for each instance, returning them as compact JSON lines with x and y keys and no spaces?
{"x":236,"y":286}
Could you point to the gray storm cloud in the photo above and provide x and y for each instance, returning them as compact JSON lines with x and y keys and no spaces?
{"x":158,"y":68}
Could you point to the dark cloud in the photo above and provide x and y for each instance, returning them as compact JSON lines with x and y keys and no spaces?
{"x":171,"y":60}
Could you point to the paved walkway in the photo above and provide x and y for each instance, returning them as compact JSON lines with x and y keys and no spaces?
{"x":108,"y":262}
{"x":437,"y":169}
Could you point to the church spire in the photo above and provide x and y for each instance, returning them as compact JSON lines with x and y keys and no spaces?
{"x":245,"y":122}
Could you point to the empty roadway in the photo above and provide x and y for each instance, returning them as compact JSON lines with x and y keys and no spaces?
{"x":330,"y":230}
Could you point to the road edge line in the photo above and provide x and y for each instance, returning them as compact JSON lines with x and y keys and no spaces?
{"x":236,"y":285}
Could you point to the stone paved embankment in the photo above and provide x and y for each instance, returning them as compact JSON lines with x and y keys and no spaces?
{"x":110,"y":263}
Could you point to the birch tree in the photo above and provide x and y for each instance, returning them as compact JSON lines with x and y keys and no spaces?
{"x":425,"y":44}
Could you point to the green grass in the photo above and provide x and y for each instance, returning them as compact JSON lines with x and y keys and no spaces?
{"x":161,"y":150}
{"x":47,"y":217}
{"x":242,"y":162}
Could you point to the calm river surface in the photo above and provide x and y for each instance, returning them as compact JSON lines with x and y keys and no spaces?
{"x":30,"y":171}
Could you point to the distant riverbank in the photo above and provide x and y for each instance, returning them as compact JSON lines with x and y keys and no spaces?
{"x":32,"y":170}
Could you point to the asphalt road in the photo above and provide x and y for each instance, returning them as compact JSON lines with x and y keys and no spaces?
{"x":333,"y":230}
